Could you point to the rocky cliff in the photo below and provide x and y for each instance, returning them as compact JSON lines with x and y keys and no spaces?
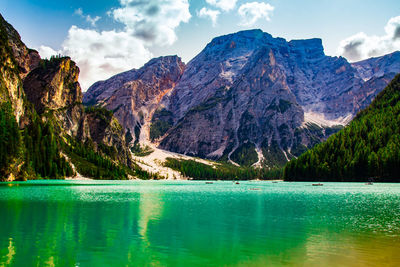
{"x":53,"y":85}
{"x":250,"y":98}
{"x":54,"y":90}
{"x":48,"y":121}
{"x":16,"y":60}
{"x":135,"y":95}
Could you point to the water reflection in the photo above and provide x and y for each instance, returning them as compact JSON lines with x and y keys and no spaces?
{"x":192,"y":224}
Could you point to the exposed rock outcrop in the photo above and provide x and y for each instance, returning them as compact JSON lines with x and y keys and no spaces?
{"x":53,"y":88}
{"x":46,"y":100}
{"x":53,"y":85}
{"x":248,"y":97}
{"x":135,"y":95}
{"x":16,"y":61}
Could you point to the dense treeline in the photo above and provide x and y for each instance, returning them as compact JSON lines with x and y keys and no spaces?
{"x":42,"y":151}
{"x":10,"y":139}
{"x":200,"y":171}
{"x":36,"y":150}
{"x":54,"y":61}
{"x":92,"y":164}
{"x":368,"y":148}
{"x":96,"y":165}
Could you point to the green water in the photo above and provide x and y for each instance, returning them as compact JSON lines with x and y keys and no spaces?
{"x":153,"y":223}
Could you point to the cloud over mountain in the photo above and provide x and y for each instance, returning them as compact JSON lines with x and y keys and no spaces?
{"x":361,"y":46}
{"x":225,"y":5}
{"x":101,"y":54}
{"x":209,"y":13}
{"x":251,"y":12}
{"x":153,"y":21}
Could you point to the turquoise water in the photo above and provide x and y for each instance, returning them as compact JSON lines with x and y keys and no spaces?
{"x":159,"y":223}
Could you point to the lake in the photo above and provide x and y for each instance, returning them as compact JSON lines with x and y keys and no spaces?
{"x":191,"y":223}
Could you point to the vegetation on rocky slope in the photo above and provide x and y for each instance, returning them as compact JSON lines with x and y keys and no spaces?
{"x":220,"y":171}
{"x":368,"y":148}
{"x":44,"y":129}
{"x":10,"y":139}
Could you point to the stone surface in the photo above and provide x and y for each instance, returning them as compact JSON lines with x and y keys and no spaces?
{"x":53,"y":85}
{"x":247,"y":91}
{"x":135,"y":95}
{"x":15,"y":62}
{"x":50,"y":89}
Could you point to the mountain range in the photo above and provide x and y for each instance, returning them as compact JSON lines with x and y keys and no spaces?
{"x":248,"y":98}
{"x":367,"y":149}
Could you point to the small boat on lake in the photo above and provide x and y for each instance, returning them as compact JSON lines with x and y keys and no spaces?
{"x":209,"y":182}
{"x":254,"y":189}
{"x":319,"y":184}
{"x":237,"y":183}
{"x":369,"y":183}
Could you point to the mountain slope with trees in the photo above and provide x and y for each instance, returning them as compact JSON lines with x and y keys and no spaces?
{"x":247,"y":98}
{"x":45,"y":131}
{"x":367,"y":149}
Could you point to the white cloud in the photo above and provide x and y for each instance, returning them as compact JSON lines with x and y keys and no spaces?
{"x":154,"y":21}
{"x":101,"y":54}
{"x":251,"y":12}
{"x":212,"y":14}
{"x":362,"y":46}
{"x":225,"y":5}
{"x":88,"y":18}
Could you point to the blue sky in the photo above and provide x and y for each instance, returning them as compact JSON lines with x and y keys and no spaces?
{"x":127,"y":33}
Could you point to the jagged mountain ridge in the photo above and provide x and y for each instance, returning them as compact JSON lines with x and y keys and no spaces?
{"x":249,"y":95}
{"x":134,"y":95}
{"x":368,"y":149}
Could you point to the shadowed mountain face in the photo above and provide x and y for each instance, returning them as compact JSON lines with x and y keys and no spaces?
{"x":247,"y":97}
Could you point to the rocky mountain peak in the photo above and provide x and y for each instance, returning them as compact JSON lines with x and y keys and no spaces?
{"x":241,"y":38}
{"x":247,"y":97}
{"x":378,"y":66}
{"x":168,"y":67}
{"x":309,"y":48}
{"x":237,"y":43}
{"x":157,"y":67}
{"x":135,"y":95}
{"x":54,"y":84}
{"x":26,"y":59}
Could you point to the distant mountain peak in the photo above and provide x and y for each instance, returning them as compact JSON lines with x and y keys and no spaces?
{"x":309,"y":47}
{"x":247,"y":97}
{"x":163,"y":60}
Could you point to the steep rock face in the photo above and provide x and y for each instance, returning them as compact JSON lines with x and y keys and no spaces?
{"x":237,"y":113}
{"x":249,"y":98}
{"x":135,"y":95}
{"x":16,"y":60}
{"x":26,"y":59}
{"x":368,"y":148}
{"x":53,"y":85}
{"x":378,"y":66}
{"x":252,"y":90}
{"x":53,"y":88}
{"x":44,"y":122}
{"x":104,"y":130}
